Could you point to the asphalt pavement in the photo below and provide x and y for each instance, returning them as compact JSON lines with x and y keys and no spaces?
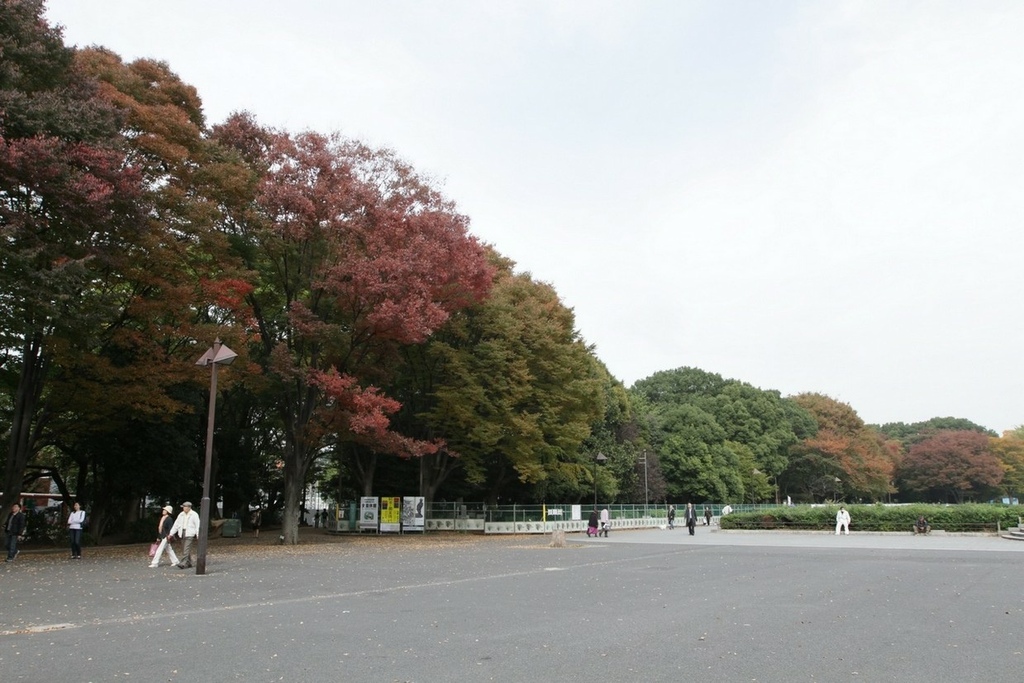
{"x":653,"y":605}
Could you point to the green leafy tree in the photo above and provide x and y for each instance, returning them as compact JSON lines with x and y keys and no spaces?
{"x":750,"y":430}
{"x":697,"y":463}
{"x":909,"y":434}
{"x":634,"y":465}
{"x":513,"y":392}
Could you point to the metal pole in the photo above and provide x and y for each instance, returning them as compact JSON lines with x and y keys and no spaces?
{"x":646,"y":498}
{"x":598,"y":459}
{"x":204,"y":507}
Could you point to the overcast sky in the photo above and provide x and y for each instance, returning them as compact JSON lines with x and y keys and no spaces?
{"x":805,"y":196}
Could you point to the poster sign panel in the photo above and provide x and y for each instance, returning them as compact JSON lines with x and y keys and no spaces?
{"x":368,"y":513}
{"x":390,"y":514}
{"x":412,"y":513}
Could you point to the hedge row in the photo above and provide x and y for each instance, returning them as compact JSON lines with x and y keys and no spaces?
{"x":967,"y":517}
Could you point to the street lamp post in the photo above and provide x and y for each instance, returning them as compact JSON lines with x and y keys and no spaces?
{"x":600,"y":458}
{"x":643,"y":457}
{"x":216,"y":355}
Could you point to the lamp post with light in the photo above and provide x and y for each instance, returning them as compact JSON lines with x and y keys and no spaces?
{"x":599,"y":459}
{"x":643,"y":459}
{"x":216,"y":355}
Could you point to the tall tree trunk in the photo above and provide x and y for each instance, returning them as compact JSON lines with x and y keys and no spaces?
{"x":82,"y":482}
{"x":295,"y":466}
{"x":434,"y":469}
{"x":497,"y":485}
{"x":26,"y":402}
{"x":366,"y":468}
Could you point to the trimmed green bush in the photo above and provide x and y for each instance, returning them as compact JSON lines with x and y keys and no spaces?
{"x":967,"y":517}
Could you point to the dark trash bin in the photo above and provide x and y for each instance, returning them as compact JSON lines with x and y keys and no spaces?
{"x":232,"y":528}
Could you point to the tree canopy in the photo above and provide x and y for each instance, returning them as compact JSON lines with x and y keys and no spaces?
{"x":954,"y":464}
{"x":353,"y":255}
{"x":382,"y":347}
{"x":720,"y":439}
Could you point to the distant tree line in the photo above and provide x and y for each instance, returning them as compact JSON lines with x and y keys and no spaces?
{"x":382,"y":348}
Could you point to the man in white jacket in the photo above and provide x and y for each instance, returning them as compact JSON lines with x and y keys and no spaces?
{"x":842,"y":521}
{"x":187,"y":526}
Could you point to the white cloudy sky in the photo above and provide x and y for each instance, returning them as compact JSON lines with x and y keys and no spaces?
{"x":806,"y":196}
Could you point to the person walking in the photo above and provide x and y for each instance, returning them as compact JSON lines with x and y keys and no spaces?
{"x":605,"y":522}
{"x":75,"y":521}
{"x":707,"y":516}
{"x":671,"y":516}
{"x":691,"y":518}
{"x":842,"y":521}
{"x":163,"y":534}
{"x":186,"y":526}
{"x":592,"y":523}
{"x":257,"y":520}
{"x":15,"y":531}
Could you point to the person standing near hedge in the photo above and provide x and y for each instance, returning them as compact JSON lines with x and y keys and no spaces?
{"x":842,"y":521}
{"x":75,"y":521}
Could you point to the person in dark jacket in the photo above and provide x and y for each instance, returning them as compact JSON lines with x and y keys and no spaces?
{"x":163,"y":532}
{"x":691,"y":517}
{"x":592,"y":523}
{"x":15,"y":531}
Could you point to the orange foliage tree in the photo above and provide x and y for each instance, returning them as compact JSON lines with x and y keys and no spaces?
{"x":1009,"y":448}
{"x":845,"y":458}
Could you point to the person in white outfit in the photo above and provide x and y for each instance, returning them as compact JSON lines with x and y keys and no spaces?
{"x":186,"y":526}
{"x":842,"y":521}
{"x":75,"y":521}
{"x":163,"y":534}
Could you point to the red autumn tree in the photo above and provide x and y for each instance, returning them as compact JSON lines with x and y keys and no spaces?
{"x":354,"y":255}
{"x":951,"y":463}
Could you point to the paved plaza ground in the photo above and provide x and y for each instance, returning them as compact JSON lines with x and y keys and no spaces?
{"x":651,"y":605}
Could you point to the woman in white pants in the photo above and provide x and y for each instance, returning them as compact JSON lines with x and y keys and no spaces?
{"x":163,"y":531}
